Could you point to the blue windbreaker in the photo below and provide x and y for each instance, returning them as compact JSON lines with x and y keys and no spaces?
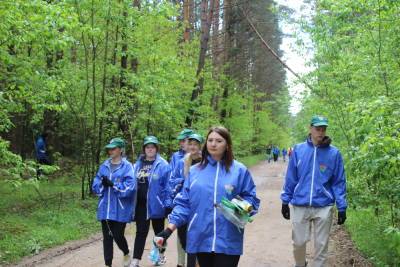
{"x":208,"y":230}
{"x":157,"y":194}
{"x":315,"y":176}
{"x":175,"y":158}
{"x":175,"y":182}
{"x":40,"y":148}
{"x":116,"y":203}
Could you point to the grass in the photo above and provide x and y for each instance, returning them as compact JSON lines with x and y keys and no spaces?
{"x":252,"y":160}
{"x":30,"y":224}
{"x":367,"y":232}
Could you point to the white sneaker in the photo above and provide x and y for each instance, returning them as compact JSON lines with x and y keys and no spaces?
{"x":134,"y":263}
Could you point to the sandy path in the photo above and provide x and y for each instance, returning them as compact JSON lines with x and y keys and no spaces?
{"x":267,"y":239}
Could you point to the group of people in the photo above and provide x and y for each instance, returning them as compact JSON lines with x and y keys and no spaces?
{"x":273,"y":152}
{"x":187,"y":190}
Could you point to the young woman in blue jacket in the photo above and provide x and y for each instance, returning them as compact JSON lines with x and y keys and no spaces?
{"x":152,"y":173}
{"x":115,"y":184}
{"x":215,"y":240}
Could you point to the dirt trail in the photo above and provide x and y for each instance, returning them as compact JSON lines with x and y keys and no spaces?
{"x":267,"y":239}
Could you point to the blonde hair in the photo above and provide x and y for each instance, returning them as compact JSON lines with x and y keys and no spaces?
{"x":188,"y":163}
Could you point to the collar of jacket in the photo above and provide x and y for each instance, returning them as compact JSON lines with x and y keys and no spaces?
{"x":213,"y":162}
{"x":326,"y":142}
{"x":156,"y":161}
{"x":108,"y":162}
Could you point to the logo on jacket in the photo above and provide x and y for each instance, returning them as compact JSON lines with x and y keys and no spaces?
{"x":322,"y":168}
{"x":155,"y":176}
{"x":229,"y":188}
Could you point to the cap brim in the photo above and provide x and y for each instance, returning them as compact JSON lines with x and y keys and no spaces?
{"x":110,"y":146}
{"x":320,"y":124}
{"x":146,"y":143}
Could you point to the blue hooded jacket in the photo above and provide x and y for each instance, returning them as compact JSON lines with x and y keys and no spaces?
{"x":208,"y":230}
{"x":315,"y":176}
{"x":116,"y":203}
{"x":157,"y":194}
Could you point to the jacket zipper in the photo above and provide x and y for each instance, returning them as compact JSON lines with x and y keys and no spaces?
{"x":148,"y":190}
{"x":109,"y":189}
{"x":215,"y":209}
{"x":312,"y":176}
{"x":108,"y":198}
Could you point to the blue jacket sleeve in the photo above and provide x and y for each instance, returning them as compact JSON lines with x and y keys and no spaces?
{"x":165,"y":175}
{"x":97,"y":186}
{"x":291,"y":180}
{"x":248,"y":192}
{"x":180,"y":214}
{"x":339,"y":184}
{"x":126,"y":186}
{"x":172,"y":182}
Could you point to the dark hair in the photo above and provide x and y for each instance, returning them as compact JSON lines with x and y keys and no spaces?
{"x":156,"y":145}
{"x":228,"y":155}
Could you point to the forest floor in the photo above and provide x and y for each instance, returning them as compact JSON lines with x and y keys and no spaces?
{"x":267,"y":239}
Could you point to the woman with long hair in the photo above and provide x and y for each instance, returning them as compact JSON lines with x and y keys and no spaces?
{"x":214,"y":239}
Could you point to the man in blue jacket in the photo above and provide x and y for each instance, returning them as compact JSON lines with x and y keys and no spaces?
{"x":315,"y":181}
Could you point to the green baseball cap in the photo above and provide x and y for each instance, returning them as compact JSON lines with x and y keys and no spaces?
{"x":115,"y":142}
{"x":150,"y":140}
{"x":317,"y":120}
{"x":196,"y":137}
{"x":185,"y":134}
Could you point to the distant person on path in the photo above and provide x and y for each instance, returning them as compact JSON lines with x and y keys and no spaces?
{"x":152,"y":173}
{"x":275,"y":153}
{"x":116,"y":187}
{"x":284,"y":153}
{"x":181,"y":172}
{"x":269,"y":153}
{"x":215,"y":240}
{"x":41,"y":149}
{"x":290,"y":151}
{"x":315,"y":181}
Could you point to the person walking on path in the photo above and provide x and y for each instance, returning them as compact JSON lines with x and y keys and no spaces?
{"x":181,"y":172}
{"x":315,"y":181}
{"x":152,"y":173}
{"x":275,"y":153}
{"x":213,"y":238}
{"x":116,"y":187}
{"x":269,"y":153}
{"x":284,"y":153}
{"x":178,"y":155}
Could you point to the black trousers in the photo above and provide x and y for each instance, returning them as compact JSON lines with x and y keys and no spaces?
{"x":113,"y":230}
{"x":217,"y":260}
{"x":142,"y":229}
{"x":182,"y":235}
